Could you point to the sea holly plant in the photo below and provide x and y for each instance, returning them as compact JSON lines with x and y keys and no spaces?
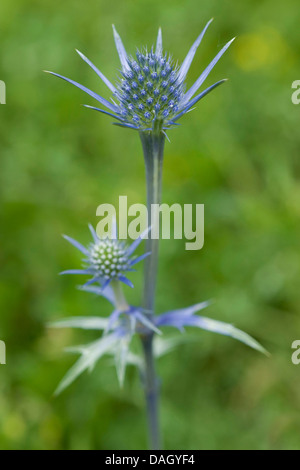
{"x":150,"y":97}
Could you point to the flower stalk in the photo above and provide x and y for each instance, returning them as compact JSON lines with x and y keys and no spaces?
{"x":121,"y":302}
{"x":153,"y":148}
{"x":151,"y":387}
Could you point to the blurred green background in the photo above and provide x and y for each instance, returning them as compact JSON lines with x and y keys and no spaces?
{"x":238,"y":153}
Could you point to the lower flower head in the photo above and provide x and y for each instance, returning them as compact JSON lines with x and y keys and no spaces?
{"x":107,"y":259}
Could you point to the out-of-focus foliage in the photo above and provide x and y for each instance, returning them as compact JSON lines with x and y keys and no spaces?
{"x":238,"y":153}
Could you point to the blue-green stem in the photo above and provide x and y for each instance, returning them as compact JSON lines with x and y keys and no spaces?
{"x":153,"y":147}
{"x":120,"y":300}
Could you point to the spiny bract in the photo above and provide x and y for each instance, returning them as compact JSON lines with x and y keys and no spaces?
{"x":151,"y":92}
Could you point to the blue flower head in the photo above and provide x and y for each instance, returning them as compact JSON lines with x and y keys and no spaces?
{"x":151,"y":89}
{"x":107,"y":259}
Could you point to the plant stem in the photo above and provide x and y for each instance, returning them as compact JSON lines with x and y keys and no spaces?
{"x":153,"y":147}
{"x":151,"y":393}
{"x":121,"y":302}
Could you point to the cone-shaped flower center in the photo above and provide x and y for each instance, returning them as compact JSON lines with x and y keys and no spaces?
{"x":109,"y":259}
{"x":150,"y":89}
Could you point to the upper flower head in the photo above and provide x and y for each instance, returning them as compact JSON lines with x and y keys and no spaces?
{"x":107,"y":259}
{"x":152,"y":88}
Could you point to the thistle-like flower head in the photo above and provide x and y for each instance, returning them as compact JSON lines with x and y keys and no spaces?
{"x":151,"y":91}
{"x":107,"y":259}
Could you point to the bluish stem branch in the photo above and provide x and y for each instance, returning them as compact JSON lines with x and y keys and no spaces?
{"x":151,"y":386}
{"x":153,"y":147}
{"x":120,"y":300}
